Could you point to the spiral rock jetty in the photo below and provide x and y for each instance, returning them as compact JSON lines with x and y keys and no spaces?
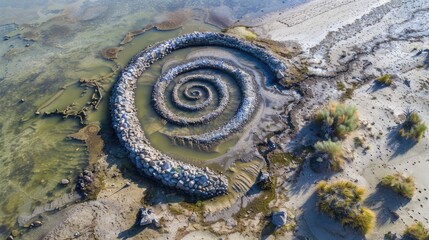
{"x":203,"y":183}
{"x":248,"y":105}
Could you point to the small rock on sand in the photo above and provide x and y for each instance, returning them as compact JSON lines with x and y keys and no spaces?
{"x":147,"y":216}
{"x":193,"y":217}
{"x":231,"y":222}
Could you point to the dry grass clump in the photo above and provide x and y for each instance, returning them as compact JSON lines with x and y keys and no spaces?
{"x":337,"y":119}
{"x":417,"y":231}
{"x":243,"y":32}
{"x":413,"y":127}
{"x":334,"y":152}
{"x":386,"y":79}
{"x":405,"y":186}
{"x":342,"y":200}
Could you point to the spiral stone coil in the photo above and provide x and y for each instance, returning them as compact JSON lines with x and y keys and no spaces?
{"x":196,"y":181}
{"x":193,"y":92}
{"x":248,"y":105}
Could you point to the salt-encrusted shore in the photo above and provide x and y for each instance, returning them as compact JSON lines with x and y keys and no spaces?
{"x":354,"y":43}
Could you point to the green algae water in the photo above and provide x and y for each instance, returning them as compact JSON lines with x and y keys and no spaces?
{"x":46,"y":47}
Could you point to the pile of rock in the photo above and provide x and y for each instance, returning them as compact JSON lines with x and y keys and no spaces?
{"x":84,"y":179}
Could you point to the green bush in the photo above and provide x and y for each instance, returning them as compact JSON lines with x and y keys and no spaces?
{"x":413,"y":127}
{"x":417,"y":231}
{"x":341,"y":86}
{"x":334,"y":150}
{"x":342,"y":200}
{"x":386,"y":79}
{"x":362,"y":220}
{"x":348,"y":93}
{"x":405,"y":186}
{"x":337,"y":119}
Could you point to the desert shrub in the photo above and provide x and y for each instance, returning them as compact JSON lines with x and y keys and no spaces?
{"x":337,"y":119}
{"x":348,"y":93}
{"x":417,"y":231}
{"x":242,"y":31}
{"x":341,"y":86}
{"x":403,"y":185}
{"x":413,"y":127}
{"x":386,"y":79}
{"x":342,"y":200}
{"x":334,"y":152}
{"x":361,"y":219}
{"x":358,"y":142}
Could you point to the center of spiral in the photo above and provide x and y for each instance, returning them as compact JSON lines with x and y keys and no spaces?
{"x":196,"y":84}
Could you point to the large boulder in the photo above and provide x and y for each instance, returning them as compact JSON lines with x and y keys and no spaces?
{"x":278,"y":219}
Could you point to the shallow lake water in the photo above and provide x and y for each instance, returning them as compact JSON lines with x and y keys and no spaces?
{"x":46,"y":47}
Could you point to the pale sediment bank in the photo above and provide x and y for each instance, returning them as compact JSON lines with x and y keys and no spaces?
{"x":310,"y":23}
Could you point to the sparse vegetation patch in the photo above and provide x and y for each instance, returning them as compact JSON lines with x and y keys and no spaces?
{"x":348,"y":93}
{"x":386,"y":80}
{"x":337,"y":119}
{"x":399,"y":183}
{"x":413,"y":126}
{"x":341,"y":86}
{"x":342,"y":200}
{"x":332,"y":152}
{"x":282,"y":158}
{"x":417,"y":231}
{"x":260,"y":204}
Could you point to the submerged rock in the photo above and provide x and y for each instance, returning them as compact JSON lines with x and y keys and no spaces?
{"x":36,"y":224}
{"x":110,"y":52}
{"x":65,"y":181}
{"x":221,"y":17}
{"x":172,"y":20}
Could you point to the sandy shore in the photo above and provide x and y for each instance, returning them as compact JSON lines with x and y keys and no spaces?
{"x":354,"y":43}
{"x":308,"y":24}
{"x":349,"y":41}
